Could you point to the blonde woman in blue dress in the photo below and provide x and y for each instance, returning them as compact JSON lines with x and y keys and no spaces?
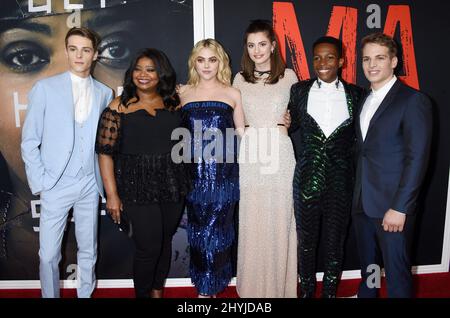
{"x":267,"y":245}
{"x":211,"y":107}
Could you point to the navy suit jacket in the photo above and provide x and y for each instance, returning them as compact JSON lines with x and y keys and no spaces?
{"x":393,"y":158}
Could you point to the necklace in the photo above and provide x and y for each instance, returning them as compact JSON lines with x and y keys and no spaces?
{"x":261,"y":73}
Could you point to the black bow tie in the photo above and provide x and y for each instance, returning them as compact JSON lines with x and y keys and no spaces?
{"x":319,"y":83}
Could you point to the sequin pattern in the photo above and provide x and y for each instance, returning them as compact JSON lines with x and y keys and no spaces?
{"x":267,"y":247}
{"x":323,"y":186}
{"x":210,"y":205}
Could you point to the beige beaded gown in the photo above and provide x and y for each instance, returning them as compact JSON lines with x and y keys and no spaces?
{"x":267,"y":246}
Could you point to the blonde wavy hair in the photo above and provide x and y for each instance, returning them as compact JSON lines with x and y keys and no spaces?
{"x":224,"y":71}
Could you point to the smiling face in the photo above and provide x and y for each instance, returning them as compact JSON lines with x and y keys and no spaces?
{"x":326,"y":62}
{"x":207,"y":64}
{"x":260,"y":49}
{"x":145,"y":76}
{"x":378,"y":65}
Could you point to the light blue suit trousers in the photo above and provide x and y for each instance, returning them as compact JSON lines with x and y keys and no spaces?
{"x":47,"y":146}
{"x":80,"y":193}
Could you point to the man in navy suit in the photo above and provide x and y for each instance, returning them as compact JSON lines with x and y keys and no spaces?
{"x":393,"y":141}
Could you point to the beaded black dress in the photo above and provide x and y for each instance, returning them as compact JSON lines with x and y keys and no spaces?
{"x":141,"y":148}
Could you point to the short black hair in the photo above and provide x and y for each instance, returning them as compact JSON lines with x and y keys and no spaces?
{"x":330,"y":40}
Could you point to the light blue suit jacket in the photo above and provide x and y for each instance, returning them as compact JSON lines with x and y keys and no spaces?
{"x":49,"y":130}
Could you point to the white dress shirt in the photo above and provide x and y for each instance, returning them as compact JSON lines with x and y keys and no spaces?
{"x":82,"y":93}
{"x":373,"y":101}
{"x":327,"y":104}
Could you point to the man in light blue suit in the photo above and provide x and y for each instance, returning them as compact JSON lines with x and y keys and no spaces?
{"x":58,"y":139}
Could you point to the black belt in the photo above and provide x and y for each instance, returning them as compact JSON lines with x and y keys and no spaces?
{"x":277,"y":125}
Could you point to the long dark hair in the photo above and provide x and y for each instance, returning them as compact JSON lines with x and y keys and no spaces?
{"x":277,"y":65}
{"x":167,"y":79}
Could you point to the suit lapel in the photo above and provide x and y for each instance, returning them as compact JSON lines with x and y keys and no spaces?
{"x":96,"y":94}
{"x":384,"y":104}
{"x":358,"y":118}
{"x":363,"y":100}
{"x":304,"y":96}
{"x":95,"y":107}
{"x":350,"y":103}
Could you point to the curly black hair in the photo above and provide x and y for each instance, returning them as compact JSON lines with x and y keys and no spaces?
{"x":166,"y":87}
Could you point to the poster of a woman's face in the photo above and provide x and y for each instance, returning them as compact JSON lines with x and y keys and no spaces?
{"x":31,"y":48}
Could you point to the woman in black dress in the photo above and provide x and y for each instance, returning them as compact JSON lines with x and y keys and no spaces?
{"x":141,"y":180}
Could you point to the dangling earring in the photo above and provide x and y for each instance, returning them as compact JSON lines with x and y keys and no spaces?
{"x":272,"y":50}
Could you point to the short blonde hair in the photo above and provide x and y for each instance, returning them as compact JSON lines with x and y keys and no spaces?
{"x":224,"y":71}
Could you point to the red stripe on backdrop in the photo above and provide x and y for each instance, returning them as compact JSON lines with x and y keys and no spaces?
{"x":426,"y":286}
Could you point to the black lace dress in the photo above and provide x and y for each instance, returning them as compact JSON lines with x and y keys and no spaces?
{"x":141,"y":145}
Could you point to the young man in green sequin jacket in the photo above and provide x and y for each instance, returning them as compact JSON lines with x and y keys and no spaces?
{"x":323,"y":109}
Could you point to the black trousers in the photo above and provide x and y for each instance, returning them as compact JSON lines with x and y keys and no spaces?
{"x":153,"y":228}
{"x":327,"y":210}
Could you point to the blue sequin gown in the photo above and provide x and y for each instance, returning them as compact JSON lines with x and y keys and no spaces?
{"x":211,"y":203}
